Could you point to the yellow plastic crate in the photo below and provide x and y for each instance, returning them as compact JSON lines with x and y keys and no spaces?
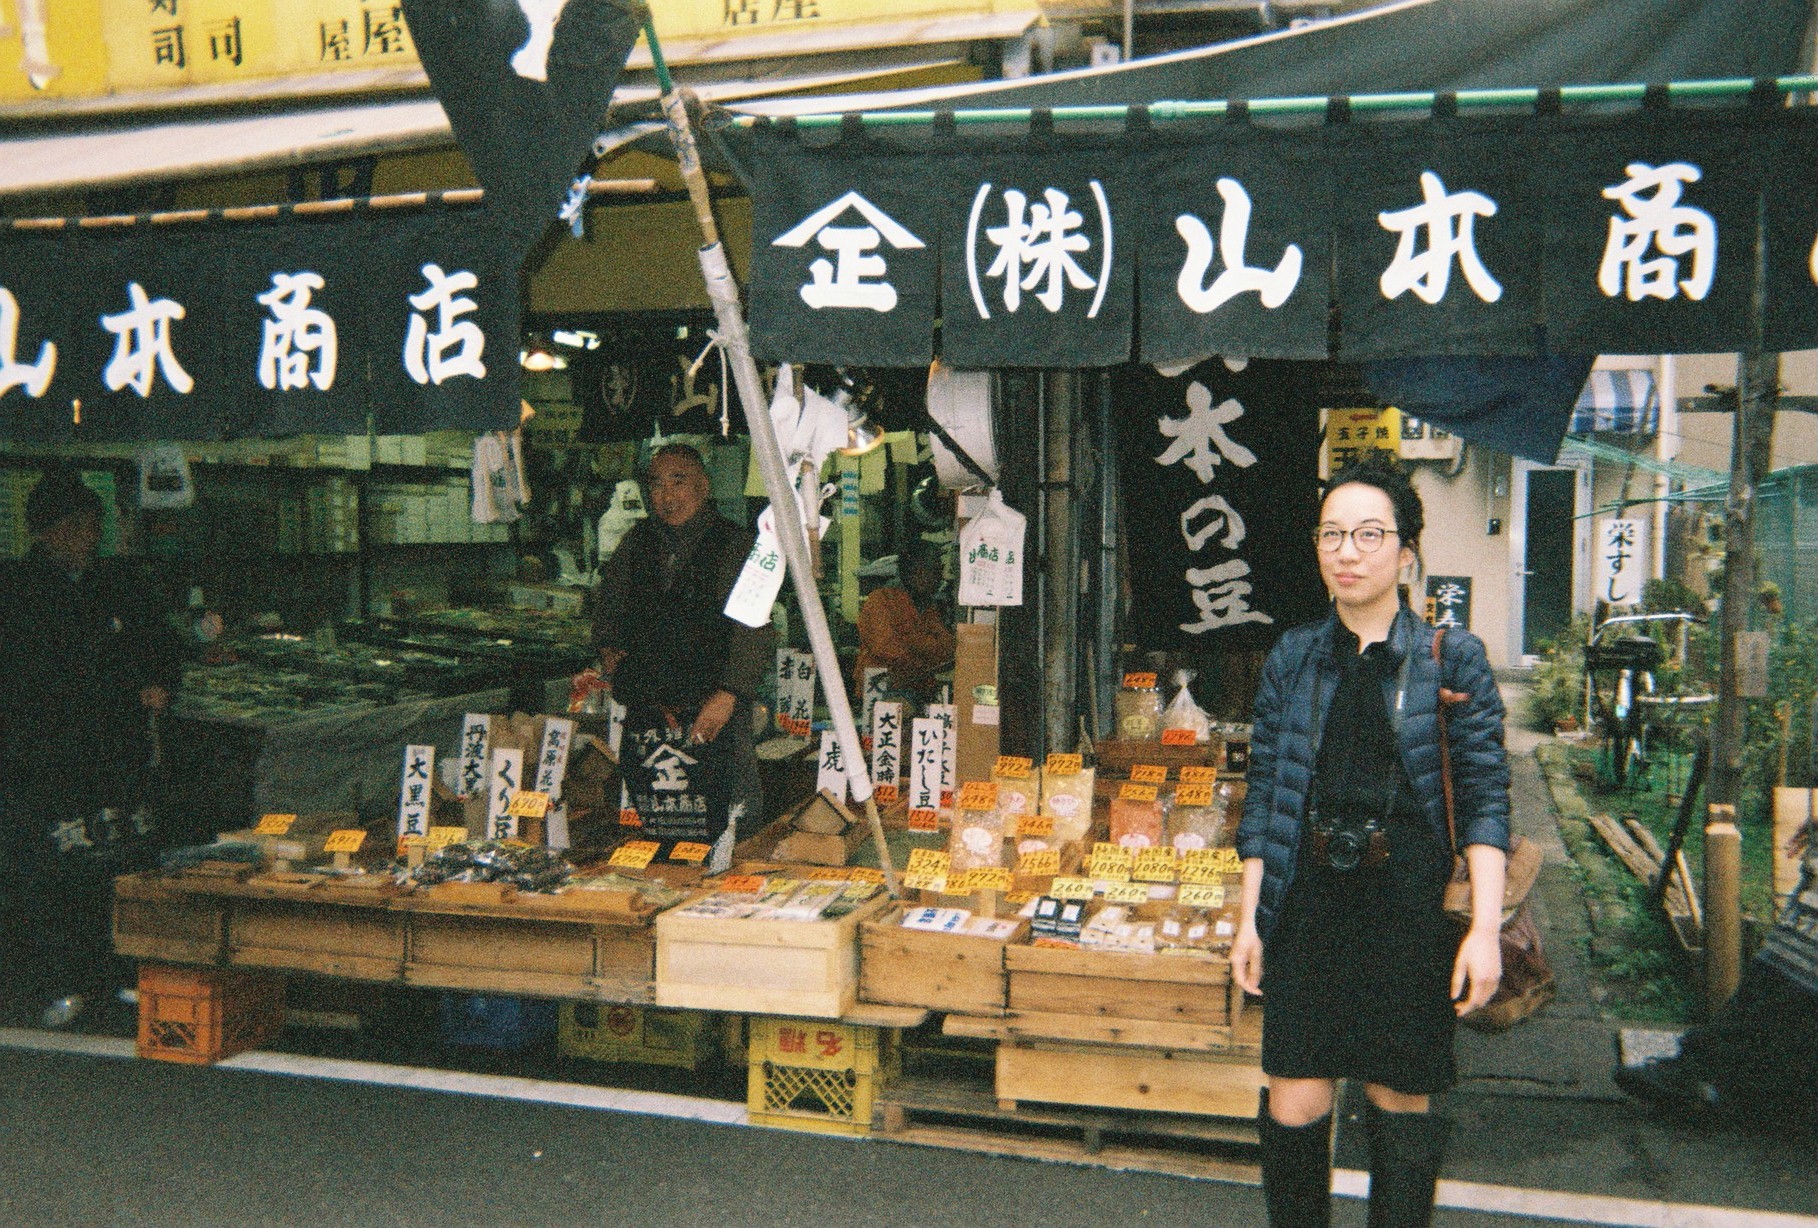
{"x":817,"y":1044}
{"x":807,"y":1074}
{"x":685,"y":1039}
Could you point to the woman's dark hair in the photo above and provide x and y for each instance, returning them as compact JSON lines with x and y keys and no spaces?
{"x":1377,"y":468}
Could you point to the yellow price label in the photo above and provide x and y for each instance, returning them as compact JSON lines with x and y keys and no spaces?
{"x":742,"y":884}
{"x":1199,"y":774}
{"x":927,"y":869}
{"x":1200,"y":866}
{"x":1071,"y":889}
{"x":346,"y":840}
{"x":1130,"y":791}
{"x":825,"y":874}
{"x":1127,"y":893}
{"x":1013,"y":767}
{"x":1139,"y":682}
{"x":1156,"y":865}
{"x":528,"y":804}
{"x":275,"y":824}
{"x":634,"y":854}
{"x":1227,"y":860}
{"x":1148,"y":773}
{"x":1035,"y":825}
{"x":1016,"y":899}
{"x":690,"y":853}
{"x":980,"y":878}
{"x":1109,"y":861}
{"x":406,"y":843}
{"x":1042,"y":861}
{"x":1193,"y":795}
{"x":1203,"y":895}
{"x":865,"y":874}
{"x":978,"y":795}
{"x":442,"y":837}
{"x":1063,"y":765}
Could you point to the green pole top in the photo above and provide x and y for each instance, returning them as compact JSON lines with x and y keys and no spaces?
{"x":1729,"y":87}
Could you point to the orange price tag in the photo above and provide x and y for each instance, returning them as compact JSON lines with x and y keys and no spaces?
{"x":1148,"y":773}
{"x":1063,"y":765}
{"x":1199,"y":774}
{"x":275,"y":824}
{"x":528,"y":804}
{"x":826,"y":874}
{"x":978,"y":795}
{"x":864,"y":874}
{"x":1179,"y":737}
{"x":346,"y":840}
{"x":406,"y":843}
{"x":1013,"y":767}
{"x":630,"y":818}
{"x":924,"y":820}
{"x":690,"y":853}
{"x":946,"y":799}
{"x":1193,"y":795}
{"x":887,"y":795}
{"x":634,"y":854}
{"x":741,"y":884}
{"x":1130,"y":791}
{"x":1035,"y":825}
{"x":1139,"y":682}
{"x":1043,"y":861}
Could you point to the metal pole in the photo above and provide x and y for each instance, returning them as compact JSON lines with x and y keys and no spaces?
{"x":723,"y":290}
{"x":1104,"y":679}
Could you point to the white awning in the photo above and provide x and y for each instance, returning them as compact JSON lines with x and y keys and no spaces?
{"x":176,"y":149}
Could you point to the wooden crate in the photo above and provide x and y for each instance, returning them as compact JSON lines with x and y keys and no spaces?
{"x":943,"y":972}
{"x":362,"y":943}
{"x":805,"y":968}
{"x":1101,"y":986}
{"x":1128,"y":1077}
{"x":517,"y":955}
{"x":151,"y":921}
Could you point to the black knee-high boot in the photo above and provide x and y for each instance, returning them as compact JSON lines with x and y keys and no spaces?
{"x":1296,"y":1170}
{"x":1405,"y":1153}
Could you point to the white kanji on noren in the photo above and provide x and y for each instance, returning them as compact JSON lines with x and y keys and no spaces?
{"x":1449,"y":218}
{"x":531,"y":61}
{"x":1044,"y":244}
{"x":1200,"y":441}
{"x":294,"y":332}
{"x":841,"y":282}
{"x":1660,"y":222}
{"x":1237,"y":277}
{"x":1214,"y":515}
{"x":1222,"y":597}
{"x":142,"y":341}
{"x":34,"y":377}
{"x":427,"y":354}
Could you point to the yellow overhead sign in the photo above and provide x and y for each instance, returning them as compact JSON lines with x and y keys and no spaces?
{"x":49,"y":48}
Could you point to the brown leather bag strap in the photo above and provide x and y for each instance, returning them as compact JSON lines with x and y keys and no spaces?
{"x":1445,"y":748}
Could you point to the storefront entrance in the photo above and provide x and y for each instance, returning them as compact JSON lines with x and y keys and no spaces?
{"x":1545,"y":547}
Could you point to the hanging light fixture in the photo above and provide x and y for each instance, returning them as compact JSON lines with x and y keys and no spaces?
{"x":862,"y":434}
{"x":539,"y":357}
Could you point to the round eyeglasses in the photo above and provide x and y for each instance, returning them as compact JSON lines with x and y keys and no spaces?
{"x":1367,"y":538}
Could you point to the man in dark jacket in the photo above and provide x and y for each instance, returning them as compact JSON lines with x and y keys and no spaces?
{"x":86,"y":662}
{"x":686,"y":673}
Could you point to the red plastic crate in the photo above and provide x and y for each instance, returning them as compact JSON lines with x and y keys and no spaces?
{"x":201,"y":1015}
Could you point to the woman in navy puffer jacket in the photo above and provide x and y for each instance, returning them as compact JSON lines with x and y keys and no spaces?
{"x":1346,"y":853}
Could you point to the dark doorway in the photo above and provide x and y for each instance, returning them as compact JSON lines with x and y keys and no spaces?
{"x":1547,"y":601}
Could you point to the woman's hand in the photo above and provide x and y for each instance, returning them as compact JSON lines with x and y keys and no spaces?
{"x":1247,"y":960}
{"x":1478,"y":968}
{"x":713,"y":716}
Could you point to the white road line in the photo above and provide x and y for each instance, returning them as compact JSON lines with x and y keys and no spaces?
{"x":1347,"y":1182}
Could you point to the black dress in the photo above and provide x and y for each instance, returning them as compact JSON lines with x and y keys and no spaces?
{"x":1357,"y":974}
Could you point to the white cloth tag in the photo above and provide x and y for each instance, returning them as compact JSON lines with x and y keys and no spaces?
{"x":991,"y":556}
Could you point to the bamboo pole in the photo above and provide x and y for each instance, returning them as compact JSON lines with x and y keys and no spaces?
{"x":723,"y":290}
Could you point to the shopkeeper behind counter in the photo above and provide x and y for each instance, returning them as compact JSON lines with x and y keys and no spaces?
{"x":686,"y":673}
{"x":901,"y":629}
{"x":86,"y":661}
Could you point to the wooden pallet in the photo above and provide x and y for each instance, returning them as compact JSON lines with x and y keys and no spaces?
{"x":965,"y":1115}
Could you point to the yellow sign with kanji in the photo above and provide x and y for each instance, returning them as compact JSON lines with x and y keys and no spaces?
{"x":1352,"y":432}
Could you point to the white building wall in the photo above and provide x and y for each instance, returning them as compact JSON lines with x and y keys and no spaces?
{"x":1458,"y":541}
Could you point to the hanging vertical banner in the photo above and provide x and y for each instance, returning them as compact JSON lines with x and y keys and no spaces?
{"x":1219,"y":469}
{"x":871,"y":690}
{"x":991,"y":555}
{"x":505,"y":776}
{"x":1234,"y":255}
{"x":1037,"y":262}
{"x":946,"y":715}
{"x":1622,"y":553}
{"x":1791,"y":322}
{"x":886,"y":750}
{"x":927,"y":758}
{"x":830,"y":776}
{"x":552,"y":756}
{"x":476,"y":744}
{"x":801,"y":696}
{"x":414,"y":790}
{"x":1650,"y":241}
{"x":1449,"y":601}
